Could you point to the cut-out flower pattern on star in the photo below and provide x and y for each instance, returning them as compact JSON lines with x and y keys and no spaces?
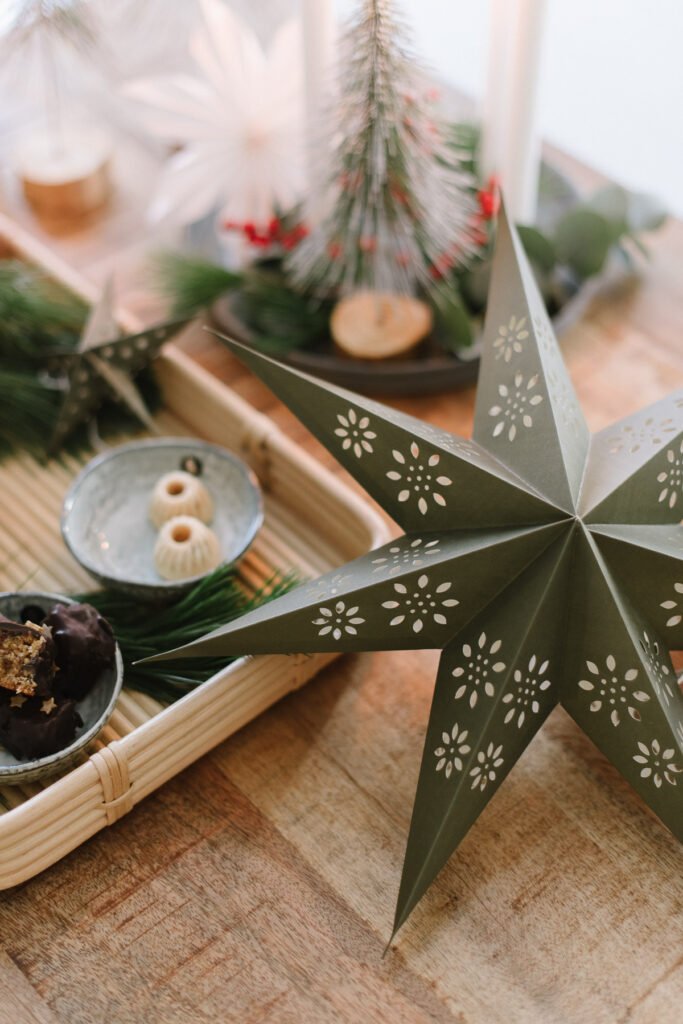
{"x":338,"y":620}
{"x":660,"y":673}
{"x":476,"y":675}
{"x":401,"y":556}
{"x":530,"y":682}
{"x":510,"y":338}
{"x":355,"y":433}
{"x":612,"y":691}
{"x":515,"y":406}
{"x":545,"y":336}
{"x":679,"y":732}
{"x":487,"y":766}
{"x":454,"y":748}
{"x":634,"y":436}
{"x":672,"y":477}
{"x":421,"y":604}
{"x":325,"y":588}
{"x":418,"y":477}
{"x":564,"y":400}
{"x":657,"y":763}
{"x":676,"y":607}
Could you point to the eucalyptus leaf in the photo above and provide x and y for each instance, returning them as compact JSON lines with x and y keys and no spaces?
{"x":612,"y":203}
{"x":538,"y":247}
{"x":582,"y":240}
{"x":474,"y":284}
{"x":452,"y":324}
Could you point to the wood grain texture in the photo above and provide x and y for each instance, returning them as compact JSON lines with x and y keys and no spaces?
{"x":259,"y":885}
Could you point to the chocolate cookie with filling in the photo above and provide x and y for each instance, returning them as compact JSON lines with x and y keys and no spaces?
{"x":27,"y":658}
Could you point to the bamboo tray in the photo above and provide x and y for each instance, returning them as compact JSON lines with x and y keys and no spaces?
{"x":312,"y":523}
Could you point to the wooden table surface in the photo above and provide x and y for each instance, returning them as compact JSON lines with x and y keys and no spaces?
{"x":259,"y":885}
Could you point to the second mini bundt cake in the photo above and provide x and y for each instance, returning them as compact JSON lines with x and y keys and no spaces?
{"x":185,"y":547}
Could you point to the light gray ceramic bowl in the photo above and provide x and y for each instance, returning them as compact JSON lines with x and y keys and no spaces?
{"x":105,"y":518}
{"x":95,"y":709}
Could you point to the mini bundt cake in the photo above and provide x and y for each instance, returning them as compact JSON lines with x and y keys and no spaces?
{"x":185,"y":547}
{"x":180,"y":494}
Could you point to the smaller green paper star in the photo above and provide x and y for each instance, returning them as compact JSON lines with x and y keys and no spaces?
{"x":545,"y":563}
{"x":104,"y":365}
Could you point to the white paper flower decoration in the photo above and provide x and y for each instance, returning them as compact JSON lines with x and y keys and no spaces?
{"x":239,"y":122}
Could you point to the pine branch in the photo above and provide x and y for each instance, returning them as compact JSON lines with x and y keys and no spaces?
{"x":142,"y":631}
{"x":190,"y":283}
{"x":37,"y":317}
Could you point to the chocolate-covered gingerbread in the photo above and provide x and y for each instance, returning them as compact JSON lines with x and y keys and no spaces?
{"x":32,"y":727}
{"x":84,"y":645}
{"x":27,"y":658}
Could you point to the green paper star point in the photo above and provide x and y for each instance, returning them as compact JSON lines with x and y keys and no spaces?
{"x":104,"y":365}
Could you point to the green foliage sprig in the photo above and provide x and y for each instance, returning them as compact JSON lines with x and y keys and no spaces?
{"x":39,"y":318}
{"x":142,"y":631}
{"x":573,"y":240}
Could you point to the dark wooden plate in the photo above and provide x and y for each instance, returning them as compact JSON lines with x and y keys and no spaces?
{"x":430,"y":371}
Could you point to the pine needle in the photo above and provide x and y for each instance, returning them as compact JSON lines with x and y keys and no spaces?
{"x":189,"y":283}
{"x":278,"y":318}
{"x":37,"y":317}
{"x":142,"y":631}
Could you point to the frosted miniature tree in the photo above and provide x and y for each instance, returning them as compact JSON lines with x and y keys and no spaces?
{"x":394,"y":210}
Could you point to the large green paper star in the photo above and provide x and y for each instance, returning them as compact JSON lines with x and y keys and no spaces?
{"x":546,"y":563}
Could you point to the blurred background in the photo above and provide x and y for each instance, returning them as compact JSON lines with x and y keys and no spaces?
{"x":610,"y":78}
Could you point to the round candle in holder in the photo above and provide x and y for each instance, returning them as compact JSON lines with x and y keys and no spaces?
{"x":65,"y":175}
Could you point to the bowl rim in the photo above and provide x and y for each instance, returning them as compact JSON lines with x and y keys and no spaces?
{"x":154,"y":443}
{"x":53,"y":760}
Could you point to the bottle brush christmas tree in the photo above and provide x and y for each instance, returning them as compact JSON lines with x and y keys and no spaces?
{"x":394,"y":208}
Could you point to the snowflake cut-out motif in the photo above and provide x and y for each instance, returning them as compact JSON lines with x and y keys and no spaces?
{"x":327,"y":587}
{"x":420,"y":604}
{"x":611,"y":690}
{"x":402,"y":556}
{"x":674,"y":606}
{"x":530,"y":682}
{"x":486,"y":768}
{"x":634,"y":436}
{"x":672,"y":477}
{"x":515,"y":407}
{"x":510,"y":338}
{"x":338,"y":620}
{"x":661,"y":676}
{"x":475,"y":676}
{"x":546,"y":337}
{"x":451,"y":751}
{"x":418,"y":477}
{"x":355,"y":433}
{"x":657,"y":764}
{"x":564,"y":400}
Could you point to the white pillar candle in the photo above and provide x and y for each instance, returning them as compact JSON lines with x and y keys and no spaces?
{"x":511,"y":144}
{"x":319,"y":42}
{"x":493,"y":132}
